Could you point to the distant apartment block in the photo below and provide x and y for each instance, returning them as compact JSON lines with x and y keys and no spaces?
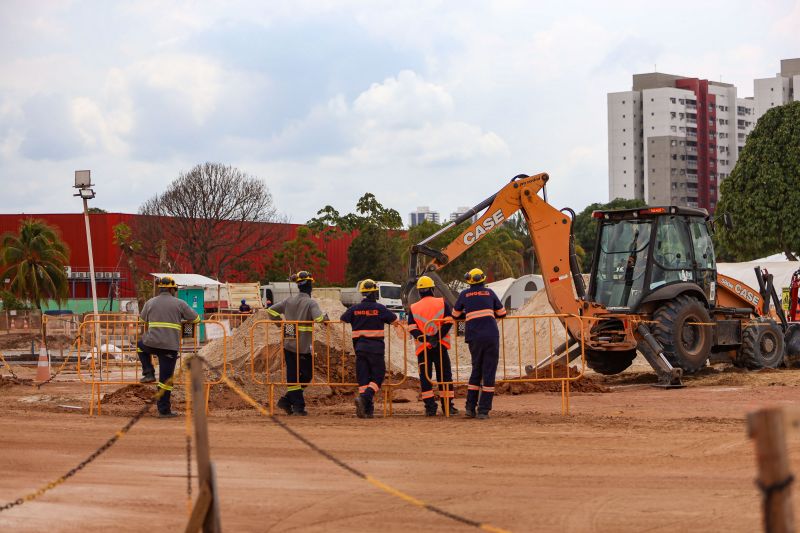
{"x":460,"y":211}
{"x":673,"y":139}
{"x":780,"y":90}
{"x":421,"y":214}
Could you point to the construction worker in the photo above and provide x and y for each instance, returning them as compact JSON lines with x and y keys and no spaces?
{"x":367,"y":319}
{"x":244,"y":308}
{"x":431,"y":333}
{"x":297,"y":339}
{"x":480,"y":306}
{"x":163,"y":316}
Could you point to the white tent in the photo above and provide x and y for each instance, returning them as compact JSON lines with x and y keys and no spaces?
{"x":745,"y":272}
{"x":514,"y":293}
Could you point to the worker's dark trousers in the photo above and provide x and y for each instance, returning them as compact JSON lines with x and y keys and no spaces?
{"x":370,"y":370}
{"x":166,"y":367}
{"x":444,"y":375}
{"x":485,"y":355}
{"x":298,"y":370}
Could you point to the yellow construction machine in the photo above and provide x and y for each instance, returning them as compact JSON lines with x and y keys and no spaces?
{"x":653,"y":287}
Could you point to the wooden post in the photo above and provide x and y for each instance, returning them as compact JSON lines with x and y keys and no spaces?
{"x":766,"y":427}
{"x":206,"y":509}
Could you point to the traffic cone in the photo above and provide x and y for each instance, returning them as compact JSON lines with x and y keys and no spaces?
{"x":43,"y":368}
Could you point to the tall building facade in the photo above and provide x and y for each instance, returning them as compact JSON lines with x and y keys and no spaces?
{"x":779,"y":90}
{"x":672,"y":139}
{"x":422,"y":214}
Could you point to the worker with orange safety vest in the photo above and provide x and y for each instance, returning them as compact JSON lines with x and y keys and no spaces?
{"x":367,"y":319}
{"x":430,"y":329}
{"x":479,"y":305}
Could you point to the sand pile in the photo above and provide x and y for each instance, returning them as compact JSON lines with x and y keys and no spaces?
{"x":532,"y":339}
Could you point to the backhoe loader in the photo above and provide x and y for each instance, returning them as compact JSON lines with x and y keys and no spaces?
{"x":653,"y":285}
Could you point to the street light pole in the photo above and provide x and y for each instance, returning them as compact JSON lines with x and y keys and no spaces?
{"x":83,"y":182}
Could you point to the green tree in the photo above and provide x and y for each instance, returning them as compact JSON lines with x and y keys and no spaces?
{"x":375,"y":251}
{"x":299,"y":253}
{"x":34,"y":260}
{"x":762,"y":194}
{"x":585,"y":227}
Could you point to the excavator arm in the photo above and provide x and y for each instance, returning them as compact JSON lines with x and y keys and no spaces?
{"x":550,"y":230}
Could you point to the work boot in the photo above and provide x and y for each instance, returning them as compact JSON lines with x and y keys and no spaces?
{"x":361,"y":408}
{"x":430,"y":410}
{"x":299,"y":411}
{"x":284,"y":404}
{"x":453,"y":410}
{"x":469,"y":412}
{"x":482,"y":416}
{"x":148,"y":378}
{"x":168,"y":414}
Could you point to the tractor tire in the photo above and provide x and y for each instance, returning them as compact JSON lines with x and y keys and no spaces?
{"x":763,"y":345}
{"x":609,"y":363}
{"x":678,"y":327}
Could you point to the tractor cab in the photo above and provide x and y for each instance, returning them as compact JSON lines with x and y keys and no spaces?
{"x":651,"y":254}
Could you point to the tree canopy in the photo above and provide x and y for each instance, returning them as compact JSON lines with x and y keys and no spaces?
{"x":210,"y":220}
{"x":762,"y":194}
{"x":34,"y":261}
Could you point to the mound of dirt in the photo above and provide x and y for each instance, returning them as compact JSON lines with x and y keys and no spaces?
{"x":10,"y":381}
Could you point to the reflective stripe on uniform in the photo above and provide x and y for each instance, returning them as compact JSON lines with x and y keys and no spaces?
{"x":320,"y":318}
{"x":374,"y":386}
{"x":480,"y":314}
{"x":291,"y":388}
{"x":362,"y":388}
{"x":487,"y":389}
{"x":163,"y":386}
{"x":273,"y":312}
{"x":305,"y":328}
{"x":196,"y":320}
{"x":456,"y":313}
{"x":170,"y":325}
{"x":428,"y":394}
{"x":368,"y":333}
{"x":473,"y":387}
{"x":501,"y":312}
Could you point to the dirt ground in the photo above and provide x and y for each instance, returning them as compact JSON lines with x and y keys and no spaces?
{"x":634,"y":458}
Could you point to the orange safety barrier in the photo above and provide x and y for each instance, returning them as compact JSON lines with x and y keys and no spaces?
{"x":525,"y":341}
{"x":338,"y":363}
{"x":101,"y":363}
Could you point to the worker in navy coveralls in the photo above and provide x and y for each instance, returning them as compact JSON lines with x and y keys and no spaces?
{"x":367,"y":320}
{"x":479,"y":305}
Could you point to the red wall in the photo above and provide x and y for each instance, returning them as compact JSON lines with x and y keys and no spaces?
{"x":108,"y":258}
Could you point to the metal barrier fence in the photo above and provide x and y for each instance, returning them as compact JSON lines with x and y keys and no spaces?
{"x":525,"y":341}
{"x":230,"y":321}
{"x":101,"y":364}
{"x":333,"y":340}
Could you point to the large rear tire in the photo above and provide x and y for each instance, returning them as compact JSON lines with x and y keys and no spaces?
{"x":681,"y":326}
{"x":762,"y":345}
{"x":609,"y":363}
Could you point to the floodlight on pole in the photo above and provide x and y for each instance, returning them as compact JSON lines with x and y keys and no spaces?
{"x":83,"y":182}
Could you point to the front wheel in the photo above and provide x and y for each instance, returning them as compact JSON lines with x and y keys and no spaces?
{"x":682,"y":326}
{"x":762,"y":345}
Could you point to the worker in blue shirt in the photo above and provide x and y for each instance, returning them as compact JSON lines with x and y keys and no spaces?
{"x":480,"y":306}
{"x":367,"y":319}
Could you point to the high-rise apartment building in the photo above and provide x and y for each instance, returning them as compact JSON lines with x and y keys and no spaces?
{"x":780,"y":90}
{"x":421,"y":214}
{"x":672,"y":139}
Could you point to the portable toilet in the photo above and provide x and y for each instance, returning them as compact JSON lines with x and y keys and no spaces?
{"x":191,"y":289}
{"x":194,"y":296}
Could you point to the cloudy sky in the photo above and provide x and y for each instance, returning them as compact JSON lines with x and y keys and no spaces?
{"x":422,"y":103}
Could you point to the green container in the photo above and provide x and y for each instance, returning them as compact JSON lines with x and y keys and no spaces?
{"x":194,"y":297}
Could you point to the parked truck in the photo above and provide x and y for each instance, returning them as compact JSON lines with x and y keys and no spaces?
{"x":389,"y":294}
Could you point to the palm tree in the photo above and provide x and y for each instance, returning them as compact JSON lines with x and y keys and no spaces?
{"x":34,"y":262}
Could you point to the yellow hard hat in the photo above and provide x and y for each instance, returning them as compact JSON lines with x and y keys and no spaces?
{"x":474,"y":276}
{"x":167,"y":283}
{"x":302,"y":277}
{"x":424,"y":282}
{"x":367,"y":285}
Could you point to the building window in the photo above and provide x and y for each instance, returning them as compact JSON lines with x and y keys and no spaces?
{"x":624,"y":158}
{"x":623,"y":102}
{"x":673,"y":128}
{"x":672,"y":100}
{"x":623,"y":144}
{"x":623,"y":130}
{"x":673,"y":142}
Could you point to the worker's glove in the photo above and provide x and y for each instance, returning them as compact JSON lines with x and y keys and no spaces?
{"x":433,"y":341}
